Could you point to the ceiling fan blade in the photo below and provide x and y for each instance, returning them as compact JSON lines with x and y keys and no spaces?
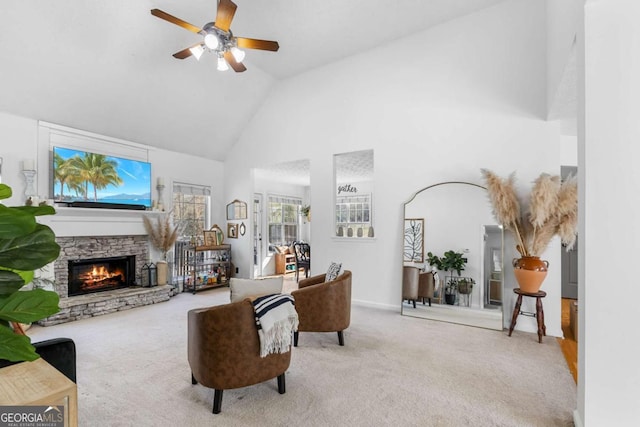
{"x":185,"y":53}
{"x":226,"y":10}
{"x":257,"y":44}
{"x":170,"y":18}
{"x":237,"y":66}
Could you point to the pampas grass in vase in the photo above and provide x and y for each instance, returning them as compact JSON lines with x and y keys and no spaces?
{"x":552,"y":210}
{"x":161,"y":232}
{"x":162,"y":235}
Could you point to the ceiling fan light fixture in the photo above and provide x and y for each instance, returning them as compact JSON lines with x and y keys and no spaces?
{"x":222,"y":64}
{"x":197,"y":51}
{"x":237,"y":54}
{"x":211,"y":40}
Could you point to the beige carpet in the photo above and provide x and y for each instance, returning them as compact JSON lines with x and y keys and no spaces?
{"x":393,"y":370}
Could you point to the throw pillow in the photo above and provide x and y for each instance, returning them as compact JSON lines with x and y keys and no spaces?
{"x":333,"y":271}
{"x":251,"y":288}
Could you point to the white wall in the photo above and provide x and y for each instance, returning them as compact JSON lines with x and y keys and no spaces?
{"x":562,"y":24}
{"x":18,"y":142}
{"x":608,"y":376}
{"x":20,"y":139}
{"x":436,"y":106}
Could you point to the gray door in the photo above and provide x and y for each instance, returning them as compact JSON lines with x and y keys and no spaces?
{"x":569,"y":258}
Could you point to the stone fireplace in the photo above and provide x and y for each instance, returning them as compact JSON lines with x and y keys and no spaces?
{"x":85,"y":249}
{"x":101,"y":274}
{"x":88,"y":287}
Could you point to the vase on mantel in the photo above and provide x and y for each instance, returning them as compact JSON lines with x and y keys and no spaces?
{"x":530,"y":272}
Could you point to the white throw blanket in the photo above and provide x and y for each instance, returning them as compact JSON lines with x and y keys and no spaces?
{"x":276,"y":319}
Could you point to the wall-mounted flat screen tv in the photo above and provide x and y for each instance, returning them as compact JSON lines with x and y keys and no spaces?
{"x":102,"y":180}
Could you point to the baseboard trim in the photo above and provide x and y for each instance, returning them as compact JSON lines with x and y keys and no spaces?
{"x":388,"y":307}
{"x":577,"y":420}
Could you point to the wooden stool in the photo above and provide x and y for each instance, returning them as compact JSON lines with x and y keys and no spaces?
{"x":539,"y":314}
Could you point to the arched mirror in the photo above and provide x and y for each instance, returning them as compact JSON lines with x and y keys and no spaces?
{"x":452,"y":256}
{"x":237,"y":210}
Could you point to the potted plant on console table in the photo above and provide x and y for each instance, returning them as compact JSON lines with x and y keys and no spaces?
{"x":25,"y":246}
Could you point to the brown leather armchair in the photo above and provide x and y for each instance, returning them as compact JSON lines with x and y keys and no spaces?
{"x":410,"y":284}
{"x":426,"y":286}
{"x":224,"y":350}
{"x":323,"y":306}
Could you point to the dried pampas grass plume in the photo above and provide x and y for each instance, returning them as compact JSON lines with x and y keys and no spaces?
{"x":544,"y":199}
{"x":568,"y":211}
{"x":161,"y":232}
{"x":552,"y":210}
{"x":506,"y":207}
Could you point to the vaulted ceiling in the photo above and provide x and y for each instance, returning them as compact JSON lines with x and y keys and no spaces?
{"x":106,"y":66}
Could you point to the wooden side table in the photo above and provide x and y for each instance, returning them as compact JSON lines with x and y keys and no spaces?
{"x":38,"y":383}
{"x":539,"y":314}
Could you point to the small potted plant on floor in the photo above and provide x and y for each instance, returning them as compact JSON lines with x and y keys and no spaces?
{"x":450,"y":291}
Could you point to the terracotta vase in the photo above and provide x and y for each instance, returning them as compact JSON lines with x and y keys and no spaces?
{"x":530,"y":272}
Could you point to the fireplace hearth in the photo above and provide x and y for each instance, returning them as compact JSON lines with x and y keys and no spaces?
{"x":101,"y":274}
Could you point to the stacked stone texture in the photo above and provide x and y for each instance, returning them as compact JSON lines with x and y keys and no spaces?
{"x":72,"y":248}
{"x":96,"y":304}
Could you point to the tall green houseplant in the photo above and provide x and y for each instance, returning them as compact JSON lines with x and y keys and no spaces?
{"x":25,"y":246}
{"x":451,"y":261}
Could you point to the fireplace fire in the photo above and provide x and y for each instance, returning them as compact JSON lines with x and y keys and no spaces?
{"x":101,"y":274}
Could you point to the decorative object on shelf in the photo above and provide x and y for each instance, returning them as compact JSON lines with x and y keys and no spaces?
{"x":306,"y":212}
{"x":214,"y":236}
{"x":218,"y":38}
{"x":237,"y":210}
{"x":149,"y":275}
{"x":26,"y":246}
{"x":414,"y":240}
{"x":552,"y":210}
{"x":232,"y":231}
{"x":160,"y":188}
{"x":242,"y":229}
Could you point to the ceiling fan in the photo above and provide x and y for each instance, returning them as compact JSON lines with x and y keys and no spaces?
{"x":218,"y":38}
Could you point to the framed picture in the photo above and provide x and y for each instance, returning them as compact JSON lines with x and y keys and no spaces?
{"x":213,"y":237}
{"x":413,"y":240}
{"x":232,"y":231}
{"x":242,"y":229}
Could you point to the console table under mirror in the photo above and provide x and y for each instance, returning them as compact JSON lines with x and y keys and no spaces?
{"x":456,"y":217}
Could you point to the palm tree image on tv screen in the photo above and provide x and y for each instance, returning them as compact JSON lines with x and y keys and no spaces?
{"x":80,"y":176}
